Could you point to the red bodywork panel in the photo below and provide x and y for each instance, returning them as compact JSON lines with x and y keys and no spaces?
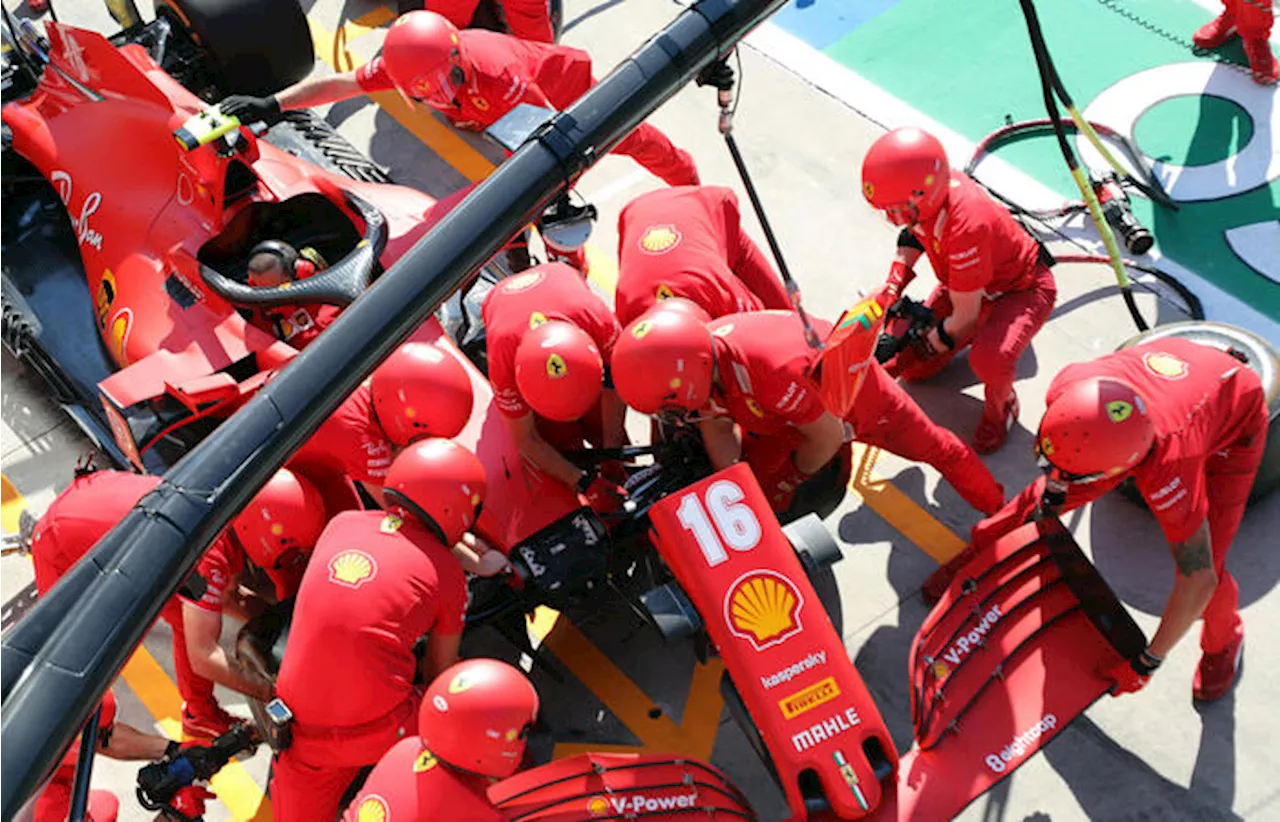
{"x":725,"y":546}
{"x":1006,"y":660}
{"x":619,"y":786}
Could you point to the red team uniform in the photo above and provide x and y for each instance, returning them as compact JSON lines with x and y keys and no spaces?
{"x":410,"y":783}
{"x":375,"y":584}
{"x":974,"y":245}
{"x":503,"y":71}
{"x":350,"y":443}
{"x":1210,"y":417}
{"x":527,"y":19}
{"x":297,"y":325}
{"x":55,"y":802}
{"x":553,"y":291}
{"x":763,"y":361}
{"x":688,"y":241}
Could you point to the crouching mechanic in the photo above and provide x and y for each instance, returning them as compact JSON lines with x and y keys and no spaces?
{"x":472,"y":729}
{"x":93,"y":504}
{"x":377,"y":583}
{"x":995,"y":288}
{"x":273,"y":263}
{"x":1189,"y":423}
{"x":274,"y":541}
{"x":548,"y":336}
{"x":688,"y":242}
{"x":473,"y":77}
{"x":754,"y":370}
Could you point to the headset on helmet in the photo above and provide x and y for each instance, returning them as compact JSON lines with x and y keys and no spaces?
{"x":559,"y":370}
{"x":286,"y":515}
{"x":296,"y":266}
{"x":664,"y":361}
{"x":476,"y":717}
{"x":440,"y":483}
{"x":421,"y":391}
{"x":1095,"y":428}
{"x":906,"y":174}
{"x":423,"y":56}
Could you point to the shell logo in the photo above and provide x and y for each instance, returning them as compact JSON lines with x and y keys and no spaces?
{"x":763,"y":607}
{"x":1165,"y":365}
{"x":940,"y":669}
{"x":598,"y":806}
{"x":536,"y":319}
{"x":373,"y":809}
{"x":556,"y":367}
{"x":352,"y":568}
{"x":1119,"y":410}
{"x":425,"y":762}
{"x":664,"y":292}
{"x":521,"y":282}
{"x":659,"y":239}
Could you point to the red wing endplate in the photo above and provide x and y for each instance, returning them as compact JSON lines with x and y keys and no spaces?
{"x":619,"y":786}
{"x":825,"y":738}
{"x":1007,"y":659}
{"x":842,"y":366}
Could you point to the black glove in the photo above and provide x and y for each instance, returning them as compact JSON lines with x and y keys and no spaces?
{"x":252,"y":109}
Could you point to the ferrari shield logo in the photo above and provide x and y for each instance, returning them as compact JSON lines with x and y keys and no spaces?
{"x":352,"y":568}
{"x":479,"y":102}
{"x":106,"y":296}
{"x":1046,"y":446}
{"x":640,"y":329}
{"x":521,"y":282}
{"x":753,"y":406}
{"x":461,"y":683}
{"x":1119,"y":410}
{"x":869,"y":190}
{"x":425,"y":761}
{"x":556,"y":367}
{"x":373,"y":809}
{"x":664,"y":292}
{"x":390,"y":524}
{"x":763,"y":608}
{"x":659,"y":239}
{"x":1165,"y":365}
{"x":536,"y":319}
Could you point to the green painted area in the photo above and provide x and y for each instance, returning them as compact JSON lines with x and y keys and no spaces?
{"x":969,"y":66}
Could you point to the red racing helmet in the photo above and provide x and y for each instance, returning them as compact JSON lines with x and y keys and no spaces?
{"x":1097,"y":427}
{"x":686,"y":306}
{"x":559,"y":371}
{"x":906,"y":174}
{"x":664,"y":361}
{"x":287,"y":515}
{"x":421,"y":53}
{"x":440,"y":483}
{"x":421,"y":391}
{"x":476,"y":716}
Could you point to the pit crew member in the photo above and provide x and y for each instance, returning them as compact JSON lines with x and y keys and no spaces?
{"x":472,"y":728}
{"x":1252,"y":20}
{"x":473,"y":77}
{"x":995,"y":286}
{"x":548,"y":336}
{"x":377,"y":583}
{"x":753,"y":369}
{"x":93,"y":504}
{"x":273,"y":263}
{"x":688,"y":241}
{"x":1188,"y":422}
{"x":527,"y":19}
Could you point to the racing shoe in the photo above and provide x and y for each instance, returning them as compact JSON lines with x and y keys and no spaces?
{"x":1261,"y":61}
{"x":1218,"y":672}
{"x":207,"y":721}
{"x":991,"y":435}
{"x":1216,"y":32}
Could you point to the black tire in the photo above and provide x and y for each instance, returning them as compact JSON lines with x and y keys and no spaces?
{"x":1263,"y":358}
{"x":255,"y":47}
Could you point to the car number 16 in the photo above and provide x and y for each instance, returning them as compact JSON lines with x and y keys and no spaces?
{"x":735,"y":524}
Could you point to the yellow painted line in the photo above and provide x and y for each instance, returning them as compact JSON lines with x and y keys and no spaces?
{"x":695,"y":736}
{"x":11,"y":505}
{"x":899,"y":510}
{"x":437,"y":136}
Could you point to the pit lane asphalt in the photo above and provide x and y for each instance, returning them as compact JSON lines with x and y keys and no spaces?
{"x":1150,"y":756}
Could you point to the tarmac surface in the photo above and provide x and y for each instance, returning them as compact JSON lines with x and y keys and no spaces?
{"x":608,"y":685}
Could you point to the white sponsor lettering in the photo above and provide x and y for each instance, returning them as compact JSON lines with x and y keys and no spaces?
{"x":85,"y":235}
{"x":794,"y":670}
{"x":828,"y":728}
{"x":963,"y":646}
{"x":638,"y":802}
{"x":1021,"y":744}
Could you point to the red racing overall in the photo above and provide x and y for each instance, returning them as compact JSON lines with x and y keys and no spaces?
{"x":762,"y":362}
{"x":974,"y":244}
{"x":1210,"y":415}
{"x":688,"y":242}
{"x":375,"y":584}
{"x":503,"y":71}
{"x":410,"y":783}
{"x":349,"y":445}
{"x":553,"y":291}
{"x":527,"y":19}
{"x":55,"y":802}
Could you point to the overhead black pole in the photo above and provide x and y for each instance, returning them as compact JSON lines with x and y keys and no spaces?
{"x":58,"y":661}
